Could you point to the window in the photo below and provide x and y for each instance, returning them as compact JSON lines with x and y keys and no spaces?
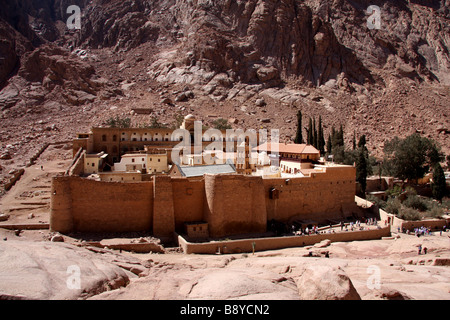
{"x":132,"y":160}
{"x":93,"y":164}
{"x":114,"y":138}
{"x":159,"y":160}
{"x":103,"y":137}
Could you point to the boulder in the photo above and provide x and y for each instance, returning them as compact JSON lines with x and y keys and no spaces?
{"x":260,"y":102}
{"x":267,"y":73}
{"x":325,"y":283}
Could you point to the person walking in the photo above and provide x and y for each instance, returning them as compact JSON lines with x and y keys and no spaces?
{"x":420,"y":248}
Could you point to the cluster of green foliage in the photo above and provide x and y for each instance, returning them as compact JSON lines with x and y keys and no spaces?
{"x":221,"y":124}
{"x":413,"y":207}
{"x":410,"y":158}
{"x":117,"y":122}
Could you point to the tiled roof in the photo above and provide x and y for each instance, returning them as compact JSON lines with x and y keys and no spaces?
{"x":287,"y":148}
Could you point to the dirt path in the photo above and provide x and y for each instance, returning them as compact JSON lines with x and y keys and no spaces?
{"x":28,"y":201}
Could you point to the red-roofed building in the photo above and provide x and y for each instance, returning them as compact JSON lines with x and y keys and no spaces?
{"x":291,"y":158}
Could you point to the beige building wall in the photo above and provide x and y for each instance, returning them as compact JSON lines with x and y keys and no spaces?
{"x":93,"y":163}
{"x":120,"y":176}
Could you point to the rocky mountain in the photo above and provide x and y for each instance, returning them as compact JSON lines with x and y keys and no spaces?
{"x":255,"y":62}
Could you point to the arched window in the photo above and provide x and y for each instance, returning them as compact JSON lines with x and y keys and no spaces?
{"x":104,"y":137}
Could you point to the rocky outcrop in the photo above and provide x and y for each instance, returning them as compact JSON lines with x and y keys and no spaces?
{"x":52,"y":70}
{"x":55,"y":270}
{"x":118,"y":24}
{"x":326,"y":283}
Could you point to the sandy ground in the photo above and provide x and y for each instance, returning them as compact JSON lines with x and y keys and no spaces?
{"x":31,"y":194}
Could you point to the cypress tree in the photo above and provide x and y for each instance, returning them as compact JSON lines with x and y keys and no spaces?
{"x":310,"y":132}
{"x":315,"y":136}
{"x":341,"y":136}
{"x":362,"y":141}
{"x":361,"y":169}
{"x":354,"y":140}
{"x":299,"y":135}
{"x":439,"y":186}
{"x":321,"y":142}
{"x":329,"y":148}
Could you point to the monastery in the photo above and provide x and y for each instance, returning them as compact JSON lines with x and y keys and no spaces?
{"x":206,"y":184}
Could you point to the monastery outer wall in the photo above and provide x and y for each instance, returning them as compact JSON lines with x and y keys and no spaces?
{"x":188,"y":201}
{"x":322,"y":196}
{"x":231,"y":204}
{"x":79,"y":204}
{"x":234,"y":204}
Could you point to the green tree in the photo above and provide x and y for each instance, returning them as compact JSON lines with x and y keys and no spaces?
{"x":410,"y":158}
{"x":321,"y":138}
{"x":439,"y":186}
{"x":221,"y":124}
{"x":329,"y":147}
{"x":361,"y":169}
{"x":310,"y":139}
{"x":299,"y":135}
{"x":315,"y":135}
{"x":116,"y":122}
{"x":354,"y":140}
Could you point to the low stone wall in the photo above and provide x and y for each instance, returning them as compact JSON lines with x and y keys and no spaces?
{"x":395,"y":222}
{"x":433,"y":224}
{"x":273,"y":243}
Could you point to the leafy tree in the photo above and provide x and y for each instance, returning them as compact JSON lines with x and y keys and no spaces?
{"x":155,"y":124}
{"x":221,"y":124}
{"x":410,"y":158}
{"x":299,"y":135}
{"x":116,"y":122}
{"x":439,"y":186}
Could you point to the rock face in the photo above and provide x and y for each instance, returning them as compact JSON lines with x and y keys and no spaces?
{"x":36,"y":270}
{"x":53,"y":71}
{"x":317,"y":56}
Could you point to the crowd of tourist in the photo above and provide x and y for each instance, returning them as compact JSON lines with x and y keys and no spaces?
{"x":352,"y":226}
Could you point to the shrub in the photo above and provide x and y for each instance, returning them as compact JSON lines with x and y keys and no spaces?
{"x":435,"y":212}
{"x":221,"y":124}
{"x":416,"y":202}
{"x":393,"y":205}
{"x":377,"y":201}
{"x":394,"y":191}
{"x":409,"y":214}
{"x":118,"y":122}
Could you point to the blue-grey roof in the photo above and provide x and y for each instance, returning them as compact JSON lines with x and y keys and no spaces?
{"x":197,"y":171}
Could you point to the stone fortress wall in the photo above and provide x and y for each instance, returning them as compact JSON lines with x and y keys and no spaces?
{"x":230,"y":204}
